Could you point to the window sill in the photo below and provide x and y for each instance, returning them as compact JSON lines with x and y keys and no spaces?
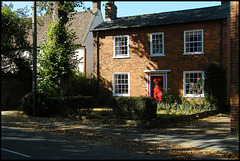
{"x":121,"y":57}
{"x":121,"y":95}
{"x":197,"y":53}
{"x":156,"y":55}
{"x":194,"y":95}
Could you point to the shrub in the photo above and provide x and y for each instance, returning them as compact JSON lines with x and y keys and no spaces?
{"x":136,"y":108}
{"x":215,"y":85}
{"x":27,"y":104}
{"x":69,"y":105}
{"x":56,"y":105}
{"x":79,"y":84}
{"x":168,"y":98}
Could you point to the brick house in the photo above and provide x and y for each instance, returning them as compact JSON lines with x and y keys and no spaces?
{"x":135,"y":55}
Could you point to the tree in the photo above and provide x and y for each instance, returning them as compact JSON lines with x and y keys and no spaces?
{"x":56,"y":58}
{"x":14,"y":40}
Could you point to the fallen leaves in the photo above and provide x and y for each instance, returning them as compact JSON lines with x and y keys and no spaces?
{"x":63,"y":127}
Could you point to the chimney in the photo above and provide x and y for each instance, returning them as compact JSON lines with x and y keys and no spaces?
{"x":110,"y":11}
{"x":96,"y":6}
{"x":225,"y":2}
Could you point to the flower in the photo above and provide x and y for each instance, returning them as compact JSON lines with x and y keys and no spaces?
{"x":192,"y":84}
{"x":198,"y":79}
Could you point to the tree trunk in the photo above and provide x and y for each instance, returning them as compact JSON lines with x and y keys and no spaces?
{"x":58,"y":12}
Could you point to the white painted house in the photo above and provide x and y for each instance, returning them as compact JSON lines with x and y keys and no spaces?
{"x":82,"y":24}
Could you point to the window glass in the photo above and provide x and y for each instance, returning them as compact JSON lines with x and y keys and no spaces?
{"x":121,"y":46}
{"x":157,"y":44}
{"x":121,"y":85}
{"x":193,"y":83}
{"x":193,"y":42}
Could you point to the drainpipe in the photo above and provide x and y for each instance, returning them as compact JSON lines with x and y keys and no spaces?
{"x":85,"y":61}
{"x":221,"y":41}
{"x":98,"y":70}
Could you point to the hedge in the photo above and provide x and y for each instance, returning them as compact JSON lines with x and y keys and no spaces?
{"x":56,"y":105}
{"x":134,"y":108}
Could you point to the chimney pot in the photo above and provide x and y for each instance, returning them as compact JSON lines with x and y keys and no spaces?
{"x":110,"y":11}
{"x":96,"y":5}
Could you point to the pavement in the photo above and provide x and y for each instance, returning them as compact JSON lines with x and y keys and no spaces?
{"x":207,"y":138}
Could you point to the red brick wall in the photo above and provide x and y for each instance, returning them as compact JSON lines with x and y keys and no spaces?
{"x":234,"y":66}
{"x":173,"y":47}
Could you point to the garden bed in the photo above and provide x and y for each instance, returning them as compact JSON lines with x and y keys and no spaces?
{"x":104,"y":116}
{"x":163,"y":122}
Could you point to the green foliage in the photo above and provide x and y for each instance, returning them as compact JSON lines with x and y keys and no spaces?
{"x":79,"y":84}
{"x":215,"y":85}
{"x":56,"y":60}
{"x":69,"y":105}
{"x":27,"y":104}
{"x":185,"y":107}
{"x":168,"y":97}
{"x":56,"y":105}
{"x":14,"y":40}
{"x":136,"y":108}
{"x":44,"y":7}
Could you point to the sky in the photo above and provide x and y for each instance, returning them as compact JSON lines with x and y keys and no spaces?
{"x":132,"y":8}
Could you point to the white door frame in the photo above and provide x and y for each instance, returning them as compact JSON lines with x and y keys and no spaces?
{"x":151,"y":73}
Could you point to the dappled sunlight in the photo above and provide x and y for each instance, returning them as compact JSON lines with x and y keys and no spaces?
{"x":186,"y":141}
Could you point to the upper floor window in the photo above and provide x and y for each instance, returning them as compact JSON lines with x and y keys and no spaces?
{"x":193,"y":42}
{"x":121,"y":46}
{"x":157,"y":44}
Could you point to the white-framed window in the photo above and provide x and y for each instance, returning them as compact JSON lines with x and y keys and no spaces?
{"x":121,"y":46}
{"x":157,"y":44}
{"x":193,"y":83}
{"x":193,"y":42}
{"x":121,"y":84}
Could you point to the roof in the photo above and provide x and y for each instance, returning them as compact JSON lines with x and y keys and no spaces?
{"x":80,"y":24}
{"x":165,"y":18}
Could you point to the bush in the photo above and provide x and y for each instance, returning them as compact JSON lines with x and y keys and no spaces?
{"x":27,"y":104}
{"x":215,"y":85}
{"x":136,"y":108}
{"x":69,"y":105}
{"x":79,"y":84}
{"x":56,"y":105}
{"x":168,"y":98}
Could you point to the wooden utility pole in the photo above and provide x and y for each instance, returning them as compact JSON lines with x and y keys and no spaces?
{"x":34,"y":77}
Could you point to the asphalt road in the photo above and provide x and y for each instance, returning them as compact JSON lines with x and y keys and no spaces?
{"x":22,"y":143}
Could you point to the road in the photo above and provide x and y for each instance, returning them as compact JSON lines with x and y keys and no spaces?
{"x":23,"y":143}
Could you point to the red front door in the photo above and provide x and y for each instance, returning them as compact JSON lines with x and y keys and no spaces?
{"x":156,"y":87}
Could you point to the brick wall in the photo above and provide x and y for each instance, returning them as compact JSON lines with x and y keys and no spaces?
{"x":234,"y":66}
{"x":174,"y":59}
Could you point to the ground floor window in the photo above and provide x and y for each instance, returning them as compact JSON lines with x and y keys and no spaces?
{"x":193,"y":83}
{"x":121,"y":84}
